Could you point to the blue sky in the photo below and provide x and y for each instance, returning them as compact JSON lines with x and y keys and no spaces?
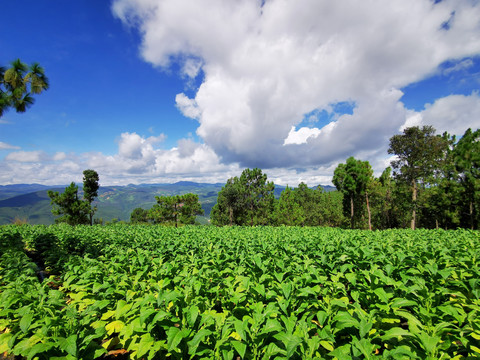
{"x":168,"y":90}
{"x":100,"y":87}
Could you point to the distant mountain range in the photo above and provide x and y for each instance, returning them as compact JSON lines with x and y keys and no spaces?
{"x":30,"y":202}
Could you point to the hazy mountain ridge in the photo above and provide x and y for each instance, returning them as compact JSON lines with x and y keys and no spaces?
{"x":31,"y":202}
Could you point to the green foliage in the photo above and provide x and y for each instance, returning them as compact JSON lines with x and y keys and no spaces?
{"x":175,"y":209}
{"x":90,"y":190}
{"x":419,"y":155}
{"x":139,"y":215}
{"x":466,"y":155}
{"x":154,"y":292}
{"x":17,"y":83}
{"x":248,"y":200}
{"x":71,"y":209}
{"x":303,"y":206}
{"x":353,"y":179}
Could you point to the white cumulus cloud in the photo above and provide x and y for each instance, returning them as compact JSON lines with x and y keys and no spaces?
{"x":267,"y":64}
{"x":5,"y":146}
{"x":27,"y":156}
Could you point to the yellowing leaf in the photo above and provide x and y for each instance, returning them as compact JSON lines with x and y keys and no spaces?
{"x":114,"y":326}
{"x":476,"y":336}
{"x":235,"y":335}
{"x":108,"y":315}
{"x":327,"y":345}
{"x":474,"y":348}
{"x":4,"y":339}
{"x":110,"y":343}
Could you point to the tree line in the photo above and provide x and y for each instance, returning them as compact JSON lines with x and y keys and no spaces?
{"x":434,"y":182}
{"x":170,"y":210}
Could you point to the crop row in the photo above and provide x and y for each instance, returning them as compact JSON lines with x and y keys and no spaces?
{"x":149,"y":292}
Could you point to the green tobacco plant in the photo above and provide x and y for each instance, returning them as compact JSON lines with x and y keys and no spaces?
{"x":155,"y":292}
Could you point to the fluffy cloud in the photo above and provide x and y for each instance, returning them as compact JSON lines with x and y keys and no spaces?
{"x":267,"y":64}
{"x":264,"y":68}
{"x":5,"y":146}
{"x":453,"y":114}
{"x":139,"y":159}
{"x":27,"y":156}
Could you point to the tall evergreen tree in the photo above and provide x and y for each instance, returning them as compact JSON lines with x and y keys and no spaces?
{"x":419,"y":153}
{"x":467,"y":161}
{"x":247,"y":200}
{"x":176,"y":209}
{"x":288,"y":210}
{"x":71,"y":209}
{"x":90,"y":190}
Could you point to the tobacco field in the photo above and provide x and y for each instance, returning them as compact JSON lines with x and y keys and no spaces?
{"x":152,"y":292}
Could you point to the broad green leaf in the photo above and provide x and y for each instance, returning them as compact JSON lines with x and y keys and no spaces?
{"x":26,"y":321}
{"x":351,"y":277}
{"x":413,"y":323}
{"x":400,"y":302}
{"x":145,"y":313}
{"x":382,"y":295}
{"x":270,"y":326}
{"x":289,"y":341}
{"x":145,"y":344}
{"x":429,"y":343}
{"x":38,"y":349}
{"x":365,"y":347}
{"x":174,"y":337}
{"x":197,"y":339}
{"x":240,"y":347}
{"x":364,"y":327}
{"x":69,"y":344}
{"x":192,"y":315}
{"x":122,"y":308}
{"x":395,"y":332}
{"x":4,"y":340}
{"x":321,"y":317}
{"x":341,"y":352}
{"x":343,"y":320}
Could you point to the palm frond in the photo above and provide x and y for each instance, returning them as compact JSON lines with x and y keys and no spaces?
{"x":21,"y":105}
{"x":38,"y":81}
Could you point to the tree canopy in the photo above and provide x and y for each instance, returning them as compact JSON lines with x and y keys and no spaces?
{"x":175,"y":209}
{"x":18,"y":83}
{"x":419,"y":153}
{"x":69,"y":207}
{"x":245,"y":200}
{"x":353,"y":179}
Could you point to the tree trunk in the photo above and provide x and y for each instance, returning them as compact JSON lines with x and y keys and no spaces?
{"x":414,"y":201}
{"x":175,"y":213}
{"x":471,"y":215}
{"x":351,"y":211}
{"x":230,"y":215}
{"x":369,"y":214}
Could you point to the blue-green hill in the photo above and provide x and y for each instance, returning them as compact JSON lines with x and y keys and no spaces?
{"x":31,"y":202}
